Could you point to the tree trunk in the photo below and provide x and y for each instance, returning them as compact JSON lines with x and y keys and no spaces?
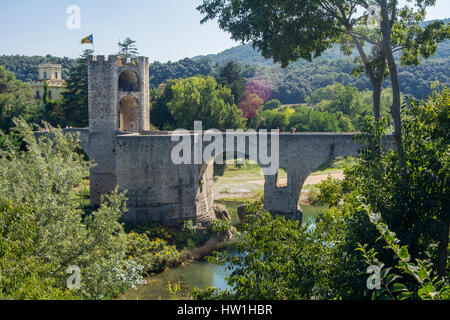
{"x":374,"y":80}
{"x":396,"y":103}
{"x":376,"y":94}
{"x":443,"y":251}
{"x":395,"y":110}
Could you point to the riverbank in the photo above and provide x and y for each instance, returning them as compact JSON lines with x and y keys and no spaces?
{"x":195,"y":273}
{"x":235,"y":187}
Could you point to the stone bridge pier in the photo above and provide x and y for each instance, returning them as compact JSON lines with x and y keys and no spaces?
{"x":300,"y":155}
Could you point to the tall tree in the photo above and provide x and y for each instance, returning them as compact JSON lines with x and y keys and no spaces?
{"x":75,"y":97}
{"x":201,"y":98}
{"x":128,"y":48}
{"x":287,"y":30}
{"x":231,"y":76}
{"x":251,"y":105}
{"x":16,"y":99}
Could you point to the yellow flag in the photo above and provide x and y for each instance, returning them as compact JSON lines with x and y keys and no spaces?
{"x":88,"y":40}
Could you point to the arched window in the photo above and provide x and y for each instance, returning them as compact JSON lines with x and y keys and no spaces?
{"x":128,"y":81}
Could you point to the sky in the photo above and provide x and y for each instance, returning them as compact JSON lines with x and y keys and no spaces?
{"x":165,"y":30}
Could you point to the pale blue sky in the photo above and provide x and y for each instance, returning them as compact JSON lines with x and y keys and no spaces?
{"x":164,"y":29}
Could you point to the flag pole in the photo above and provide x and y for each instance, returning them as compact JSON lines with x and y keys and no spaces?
{"x":120,"y":57}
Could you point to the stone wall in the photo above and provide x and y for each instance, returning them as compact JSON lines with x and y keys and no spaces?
{"x":104,"y":115}
{"x":158,"y":190}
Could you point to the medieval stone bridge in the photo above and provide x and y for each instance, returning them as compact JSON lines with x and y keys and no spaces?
{"x":162,"y":191}
{"x":139,"y":161}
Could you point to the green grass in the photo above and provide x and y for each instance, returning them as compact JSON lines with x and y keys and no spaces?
{"x":340,"y":163}
{"x":232,"y":206}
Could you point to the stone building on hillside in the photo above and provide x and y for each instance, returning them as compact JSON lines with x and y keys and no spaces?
{"x":52,"y":73}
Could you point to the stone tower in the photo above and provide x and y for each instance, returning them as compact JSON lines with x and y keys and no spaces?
{"x":118,"y":104}
{"x":52,"y":74}
{"x":49,"y":71}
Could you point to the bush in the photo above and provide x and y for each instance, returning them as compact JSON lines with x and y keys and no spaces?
{"x":279,"y":259}
{"x":387,"y":285}
{"x":46,"y":230}
{"x":153,"y":255}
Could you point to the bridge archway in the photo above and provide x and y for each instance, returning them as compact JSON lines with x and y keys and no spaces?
{"x":129,"y":81}
{"x":307,"y":180}
{"x":281,"y":178}
{"x":232,"y":183}
{"x":129,"y":114}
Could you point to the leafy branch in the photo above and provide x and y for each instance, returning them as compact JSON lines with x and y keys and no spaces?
{"x":430,"y":288}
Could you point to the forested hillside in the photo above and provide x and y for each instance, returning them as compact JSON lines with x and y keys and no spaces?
{"x":291,"y":85}
{"x":26,"y":68}
{"x":300,"y":79}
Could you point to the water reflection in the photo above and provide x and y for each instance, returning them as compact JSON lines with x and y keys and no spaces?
{"x":200,"y":274}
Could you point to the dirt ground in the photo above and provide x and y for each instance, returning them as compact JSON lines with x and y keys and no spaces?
{"x":311,"y":180}
{"x":246,"y":186}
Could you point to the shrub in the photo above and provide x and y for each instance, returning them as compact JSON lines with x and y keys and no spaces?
{"x":47,"y":231}
{"x":154,"y":256}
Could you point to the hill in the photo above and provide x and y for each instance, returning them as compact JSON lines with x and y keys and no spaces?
{"x":26,"y":67}
{"x":290,"y":85}
{"x":247,"y":55}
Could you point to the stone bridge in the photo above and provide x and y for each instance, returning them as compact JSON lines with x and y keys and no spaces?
{"x":162,"y":191}
{"x":139,"y":161}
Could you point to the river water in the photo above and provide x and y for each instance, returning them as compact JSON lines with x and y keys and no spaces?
{"x":198,"y":274}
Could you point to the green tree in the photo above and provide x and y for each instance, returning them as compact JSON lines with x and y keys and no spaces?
{"x":75,"y":95}
{"x":272,"y":104}
{"x":426,"y":287}
{"x":44,"y":229}
{"x":52,"y":109}
{"x":128,"y":48}
{"x":273,"y":119}
{"x":288,"y":30}
{"x":345,"y":124}
{"x":202,"y":99}
{"x":160,"y":115}
{"x":231,"y":77}
{"x":412,"y":204}
{"x":308,"y":120}
{"x":16,"y":99}
{"x":279,"y":259}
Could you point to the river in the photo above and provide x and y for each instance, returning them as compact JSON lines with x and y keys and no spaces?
{"x":198,"y":274}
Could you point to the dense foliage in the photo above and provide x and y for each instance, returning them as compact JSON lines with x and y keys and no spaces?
{"x":299,"y":80}
{"x":16,"y":99}
{"x":198,"y":98}
{"x":291,"y":85}
{"x":335,"y":108}
{"x":46,"y":232}
{"x":75,"y":97}
{"x":162,"y":72}
{"x":278,"y":259}
{"x":26,"y":67}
